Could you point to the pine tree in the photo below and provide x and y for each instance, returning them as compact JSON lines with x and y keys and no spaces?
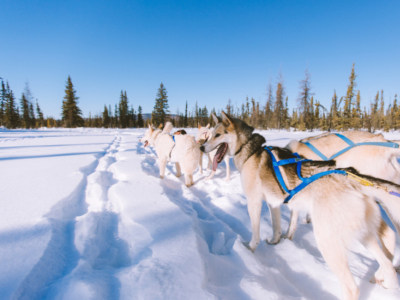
{"x":348,"y":101}
{"x":32,"y":117}
{"x":40,"y":119}
{"x":140,"y":122}
{"x":278,"y":107}
{"x":71,"y":113}
{"x":268,"y":108}
{"x":106,"y":117}
{"x":304,"y":100}
{"x":25,"y":118}
{"x":2,"y":102}
{"x":123,"y":110}
{"x":185,"y":121}
{"x":11,"y":114}
{"x":161,"y":106}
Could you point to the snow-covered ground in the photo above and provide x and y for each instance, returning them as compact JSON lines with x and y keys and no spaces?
{"x":84,"y":215}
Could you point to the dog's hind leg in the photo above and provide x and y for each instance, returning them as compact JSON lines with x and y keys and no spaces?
{"x":387,"y":238}
{"x":307,"y":219}
{"x":228,"y":168}
{"x":335,"y":255}
{"x":276,"y":224}
{"x":163,"y":164}
{"x":201,"y":162}
{"x":210,"y":176}
{"x":188,"y":181}
{"x":178,"y":169}
{"x":294,"y":215}
{"x":386,"y":274}
{"x":254,"y":204}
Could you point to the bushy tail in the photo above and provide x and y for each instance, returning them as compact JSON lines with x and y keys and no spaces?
{"x":388,"y":194}
{"x":168,"y":127}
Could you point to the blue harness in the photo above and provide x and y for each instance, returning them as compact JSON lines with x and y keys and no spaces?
{"x":351,"y":145}
{"x":305,"y":181}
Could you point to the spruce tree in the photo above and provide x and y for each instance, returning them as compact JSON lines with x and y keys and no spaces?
{"x":40,"y":119}
{"x":25,"y":118}
{"x":160,"y":112}
{"x":185,"y":121}
{"x":71,"y":113}
{"x":32,"y":117}
{"x":349,"y":100}
{"x":2,"y":102}
{"x":140,"y":122}
{"x":11,"y":114}
{"x":269,"y":108}
{"x":123,"y":110}
{"x":106,"y":117}
{"x":278,"y":107}
{"x":304,"y":101}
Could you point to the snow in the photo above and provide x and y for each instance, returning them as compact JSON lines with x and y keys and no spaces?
{"x":84,"y":215}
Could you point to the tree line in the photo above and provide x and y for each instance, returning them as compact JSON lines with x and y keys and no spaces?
{"x":345,"y":112}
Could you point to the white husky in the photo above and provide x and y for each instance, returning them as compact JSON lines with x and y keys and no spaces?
{"x":214,"y":158}
{"x":187,"y":153}
{"x":374,"y":160}
{"x":343,"y":210}
{"x":163,"y":142}
{"x":184,"y":152}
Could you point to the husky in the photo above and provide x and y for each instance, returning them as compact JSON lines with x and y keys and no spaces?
{"x":377,"y":161}
{"x":343,"y":210}
{"x":163,"y":143}
{"x":187,"y":153}
{"x":214,"y":158}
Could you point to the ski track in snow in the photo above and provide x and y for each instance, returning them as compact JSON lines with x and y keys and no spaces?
{"x":123,"y":233}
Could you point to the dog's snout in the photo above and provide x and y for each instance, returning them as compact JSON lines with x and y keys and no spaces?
{"x":202,"y":149}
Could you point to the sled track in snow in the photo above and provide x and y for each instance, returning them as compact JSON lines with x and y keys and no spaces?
{"x":84,"y":229}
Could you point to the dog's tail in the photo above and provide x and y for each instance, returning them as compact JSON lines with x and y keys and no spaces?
{"x":168,"y":127}
{"x":388,"y":194}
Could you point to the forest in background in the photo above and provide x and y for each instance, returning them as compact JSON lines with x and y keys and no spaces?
{"x":345,"y":112}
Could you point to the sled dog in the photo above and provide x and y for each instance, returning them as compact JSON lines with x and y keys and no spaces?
{"x":163,"y":143}
{"x":342,"y":210}
{"x":213,"y":158}
{"x":187,"y":153}
{"x":374,"y":160}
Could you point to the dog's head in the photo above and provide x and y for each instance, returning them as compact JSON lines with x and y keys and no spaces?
{"x":202,"y":134}
{"x":148,"y":137}
{"x":228,"y":135}
{"x":223,"y":137}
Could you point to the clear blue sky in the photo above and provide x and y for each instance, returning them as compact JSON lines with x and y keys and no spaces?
{"x":205,"y":51}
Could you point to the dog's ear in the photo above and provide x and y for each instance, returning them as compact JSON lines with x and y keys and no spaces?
{"x":208,"y":126}
{"x":199,"y":126}
{"x":182,"y":131}
{"x":160,"y":126}
{"x":150,"y":128}
{"x":227,"y":121}
{"x":216,"y":120}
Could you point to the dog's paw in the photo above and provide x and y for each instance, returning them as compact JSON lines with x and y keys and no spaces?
{"x":273,"y":241}
{"x":178,"y":175}
{"x":306,"y":220}
{"x":287,"y":236}
{"x":227,"y":179}
{"x":247,"y":245}
{"x":161,"y":176}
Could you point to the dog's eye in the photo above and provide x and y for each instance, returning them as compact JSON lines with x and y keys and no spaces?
{"x":217,"y":135}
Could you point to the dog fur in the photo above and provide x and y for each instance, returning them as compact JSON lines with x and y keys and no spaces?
{"x":201,"y":137}
{"x":187,"y":153}
{"x":343,"y":210}
{"x":163,"y":143}
{"x":377,"y":161}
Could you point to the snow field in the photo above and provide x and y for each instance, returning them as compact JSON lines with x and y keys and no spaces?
{"x":85,"y":216}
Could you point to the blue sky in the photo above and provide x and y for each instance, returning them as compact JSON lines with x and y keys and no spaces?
{"x":204,"y":51}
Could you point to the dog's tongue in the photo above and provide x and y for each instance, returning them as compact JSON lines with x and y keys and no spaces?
{"x":219,"y":156}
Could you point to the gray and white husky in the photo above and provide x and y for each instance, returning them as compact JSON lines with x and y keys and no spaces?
{"x":214,"y":157}
{"x":377,"y":161}
{"x":343,"y":210}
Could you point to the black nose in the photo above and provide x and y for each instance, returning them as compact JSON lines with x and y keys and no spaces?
{"x":202,"y":148}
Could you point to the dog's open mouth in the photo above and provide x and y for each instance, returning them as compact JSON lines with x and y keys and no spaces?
{"x":219,"y":156}
{"x":146,"y":143}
